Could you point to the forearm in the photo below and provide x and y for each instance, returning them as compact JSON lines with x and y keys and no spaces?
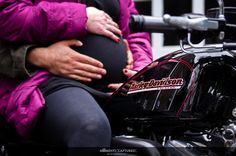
{"x":37,"y":57}
{"x":45,"y":22}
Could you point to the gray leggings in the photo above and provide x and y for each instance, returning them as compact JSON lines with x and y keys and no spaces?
{"x":72,"y":118}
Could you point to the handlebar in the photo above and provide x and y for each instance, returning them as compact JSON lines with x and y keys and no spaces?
{"x":191,"y":27}
{"x":170,"y":23}
{"x":149,"y":24}
{"x":184,"y":22}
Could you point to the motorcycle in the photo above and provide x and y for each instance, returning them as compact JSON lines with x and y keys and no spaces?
{"x":183,"y":103}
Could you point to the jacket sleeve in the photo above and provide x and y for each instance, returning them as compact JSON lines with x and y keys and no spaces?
{"x":13,"y":61}
{"x":139,"y":43}
{"x":45,"y":22}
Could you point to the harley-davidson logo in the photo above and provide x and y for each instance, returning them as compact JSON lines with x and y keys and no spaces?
{"x":163,"y":84}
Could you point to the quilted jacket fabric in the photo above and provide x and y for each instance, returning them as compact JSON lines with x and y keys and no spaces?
{"x":22,"y":101}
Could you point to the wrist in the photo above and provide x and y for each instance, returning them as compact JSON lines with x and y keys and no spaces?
{"x":37,"y":57}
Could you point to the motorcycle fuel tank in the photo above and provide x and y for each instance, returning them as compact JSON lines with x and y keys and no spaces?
{"x":182,"y":86}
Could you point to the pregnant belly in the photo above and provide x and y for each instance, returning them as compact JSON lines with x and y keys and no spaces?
{"x":110,"y":53}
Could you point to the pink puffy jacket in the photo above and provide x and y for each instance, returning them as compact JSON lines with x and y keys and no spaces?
{"x":44,"y":20}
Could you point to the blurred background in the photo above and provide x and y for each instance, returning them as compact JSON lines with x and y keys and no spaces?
{"x":163,"y":44}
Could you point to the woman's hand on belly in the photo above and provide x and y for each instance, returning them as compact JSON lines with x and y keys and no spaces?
{"x":61,"y":60}
{"x":128,"y":72}
{"x":101,"y":23}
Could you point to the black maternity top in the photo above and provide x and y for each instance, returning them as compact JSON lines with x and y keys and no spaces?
{"x":109,"y":52}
